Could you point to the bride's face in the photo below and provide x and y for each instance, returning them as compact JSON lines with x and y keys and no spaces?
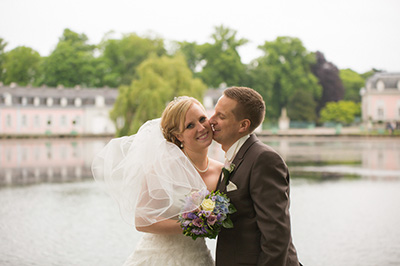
{"x":197,"y":132}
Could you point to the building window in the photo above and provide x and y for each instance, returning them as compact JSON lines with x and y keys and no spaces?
{"x":381,"y":113}
{"x":78,"y":102}
{"x":36,"y":101}
{"x":63,"y":102}
{"x":99,"y":101}
{"x":37,"y":153}
{"x":7,"y":99}
{"x":23,"y":121}
{"x":63,"y":120}
{"x":36,"y":121}
{"x":9,"y":121}
{"x":380,"y":85}
{"x":49,"y":102}
{"x":23,"y":154}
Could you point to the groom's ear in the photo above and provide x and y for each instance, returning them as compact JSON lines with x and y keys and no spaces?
{"x":244,"y":125}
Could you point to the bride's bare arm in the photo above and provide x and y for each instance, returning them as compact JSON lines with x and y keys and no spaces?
{"x":166,"y":227}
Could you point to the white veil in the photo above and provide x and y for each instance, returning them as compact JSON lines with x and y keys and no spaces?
{"x":148,"y":176}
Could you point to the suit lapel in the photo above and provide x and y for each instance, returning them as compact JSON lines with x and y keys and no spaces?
{"x":241,"y":153}
{"x":221,"y":186}
{"x":237,"y":161}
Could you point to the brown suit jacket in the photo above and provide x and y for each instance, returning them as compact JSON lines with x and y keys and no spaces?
{"x":262,"y":231}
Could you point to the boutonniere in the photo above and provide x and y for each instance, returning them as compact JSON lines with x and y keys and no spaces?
{"x":227,"y":172}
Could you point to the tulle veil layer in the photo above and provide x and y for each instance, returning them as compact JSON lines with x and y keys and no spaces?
{"x":148,"y":176}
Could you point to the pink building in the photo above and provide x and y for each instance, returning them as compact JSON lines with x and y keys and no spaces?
{"x":381,"y":98}
{"x":55,"y":111}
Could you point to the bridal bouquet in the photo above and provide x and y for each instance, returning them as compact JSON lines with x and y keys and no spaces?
{"x":207,"y":219}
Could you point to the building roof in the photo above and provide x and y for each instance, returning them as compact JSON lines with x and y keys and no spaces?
{"x":26,"y":96}
{"x":46,"y":92}
{"x":388,"y":80}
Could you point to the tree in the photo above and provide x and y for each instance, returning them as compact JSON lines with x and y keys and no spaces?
{"x":71,"y":63}
{"x":301,"y":106}
{"x":328,"y":76}
{"x":222,"y":62}
{"x":159,"y":80}
{"x":21,"y":66}
{"x":122,"y":57}
{"x":282,"y":70}
{"x":192,"y":54}
{"x":370,"y":73}
{"x":340,"y":112}
{"x":352,"y":82}
{"x":3,"y":45}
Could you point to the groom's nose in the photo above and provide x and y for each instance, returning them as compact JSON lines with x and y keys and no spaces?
{"x":212,"y":120}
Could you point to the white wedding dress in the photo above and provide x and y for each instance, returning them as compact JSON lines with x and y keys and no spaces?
{"x":170,"y":250}
{"x":150,"y":178}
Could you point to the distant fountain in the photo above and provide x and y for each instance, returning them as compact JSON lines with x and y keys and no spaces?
{"x":284,"y":120}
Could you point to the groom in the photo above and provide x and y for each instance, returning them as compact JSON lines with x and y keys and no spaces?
{"x":257,"y":182}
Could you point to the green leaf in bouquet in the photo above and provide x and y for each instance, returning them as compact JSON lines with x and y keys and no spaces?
{"x":231,"y":209}
{"x":227,"y":223}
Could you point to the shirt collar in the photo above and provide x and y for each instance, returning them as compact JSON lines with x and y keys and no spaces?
{"x":232,"y":151}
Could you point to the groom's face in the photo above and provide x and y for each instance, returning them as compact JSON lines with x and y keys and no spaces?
{"x":225,"y":125}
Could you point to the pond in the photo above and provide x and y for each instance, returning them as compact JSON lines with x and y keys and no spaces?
{"x":344,"y":202}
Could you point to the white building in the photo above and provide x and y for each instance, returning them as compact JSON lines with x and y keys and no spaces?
{"x":381,"y":98}
{"x":56,"y":111}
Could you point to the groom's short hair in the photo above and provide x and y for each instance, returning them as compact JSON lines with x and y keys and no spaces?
{"x":250,"y":105}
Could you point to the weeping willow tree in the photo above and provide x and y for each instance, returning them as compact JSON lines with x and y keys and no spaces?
{"x":159,"y":80}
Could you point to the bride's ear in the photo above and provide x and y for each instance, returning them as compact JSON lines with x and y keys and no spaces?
{"x":179,"y":137}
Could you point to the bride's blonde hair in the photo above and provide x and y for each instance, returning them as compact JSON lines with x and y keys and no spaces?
{"x":173,"y":117}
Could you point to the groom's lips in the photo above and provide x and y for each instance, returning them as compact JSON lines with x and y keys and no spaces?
{"x":215,"y":131}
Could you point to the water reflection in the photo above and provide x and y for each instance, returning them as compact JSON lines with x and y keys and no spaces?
{"x":27,"y":161}
{"x":64,"y":221}
{"x":330,"y":157}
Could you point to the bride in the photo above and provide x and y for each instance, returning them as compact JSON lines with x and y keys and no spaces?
{"x":150,"y":174}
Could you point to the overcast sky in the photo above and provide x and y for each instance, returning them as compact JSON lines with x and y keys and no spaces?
{"x":356,"y":34}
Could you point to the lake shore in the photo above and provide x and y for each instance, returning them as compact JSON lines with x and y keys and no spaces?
{"x":298,"y":132}
{"x":327,"y":131}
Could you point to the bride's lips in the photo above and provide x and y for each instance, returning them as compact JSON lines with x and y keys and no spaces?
{"x":203,"y":137}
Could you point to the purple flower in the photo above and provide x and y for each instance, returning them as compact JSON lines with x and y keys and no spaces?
{"x":211,"y":219}
{"x":197,"y":222}
{"x":196,"y":231}
{"x":191,"y":215}
{"x":186,"y":223}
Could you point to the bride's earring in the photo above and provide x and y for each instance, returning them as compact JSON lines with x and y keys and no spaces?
{"x":181,"y":145}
